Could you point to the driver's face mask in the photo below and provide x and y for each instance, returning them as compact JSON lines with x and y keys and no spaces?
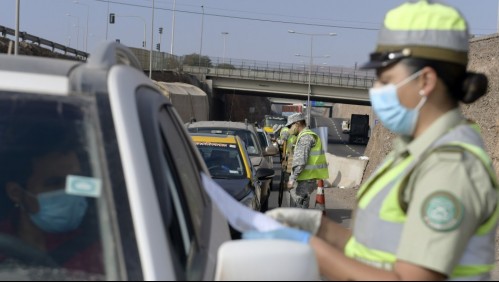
{"x":59,"y":212}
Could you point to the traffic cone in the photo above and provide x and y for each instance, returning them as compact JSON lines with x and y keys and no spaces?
{"x":320,"y":200}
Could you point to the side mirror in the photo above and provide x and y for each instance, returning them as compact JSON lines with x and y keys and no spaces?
{"x":264,"y":173}
{"x":266,"y":260}
{"x":271,"y":151}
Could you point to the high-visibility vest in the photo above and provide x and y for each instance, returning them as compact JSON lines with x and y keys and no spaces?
{"x":316,"y":167}
{"x":290,"y":143}
{"x":387,"y":213}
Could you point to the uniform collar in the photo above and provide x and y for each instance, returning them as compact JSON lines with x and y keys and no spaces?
{"x":441,"y":126}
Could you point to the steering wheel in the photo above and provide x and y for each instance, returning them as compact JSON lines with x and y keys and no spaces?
{"x":218,"y":169}
{"x":12,"y":247}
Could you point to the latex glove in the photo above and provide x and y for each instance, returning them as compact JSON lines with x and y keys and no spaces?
{"x":304,"y":219}
{"x":290,"y":184}
{"x":283,"y":233}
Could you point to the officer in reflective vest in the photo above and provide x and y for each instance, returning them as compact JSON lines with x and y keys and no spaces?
{"x":309,"y":162}
{"x":430,"y":211}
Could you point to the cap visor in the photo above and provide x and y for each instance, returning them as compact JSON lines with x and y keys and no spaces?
{"x":378,"y":64}
{"x":371,"y":65}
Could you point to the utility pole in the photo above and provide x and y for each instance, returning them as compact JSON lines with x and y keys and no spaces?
{"x":173,"y":27}
{"x":16,"y":44}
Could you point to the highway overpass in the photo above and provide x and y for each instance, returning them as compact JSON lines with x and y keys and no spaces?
{"x":335,"y":87}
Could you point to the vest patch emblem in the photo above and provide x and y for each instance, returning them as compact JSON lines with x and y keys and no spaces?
{"x":442,"y":211}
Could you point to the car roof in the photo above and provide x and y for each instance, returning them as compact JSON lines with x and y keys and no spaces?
{"x":56,"y":76}
{"x":222,"y":124}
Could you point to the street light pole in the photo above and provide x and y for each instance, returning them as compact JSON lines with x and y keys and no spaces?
{"x":224,"y":33}
{"x":77,"y":29}
{"x":152,"y":40}
{"x":86,"y":32}
{"x":173,"y":27}
{"x":201,"y":44}
{"x":309,"y":93}
{"x":16,"y":44}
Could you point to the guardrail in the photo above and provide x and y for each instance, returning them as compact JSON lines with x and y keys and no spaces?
{"x":41,"y":41}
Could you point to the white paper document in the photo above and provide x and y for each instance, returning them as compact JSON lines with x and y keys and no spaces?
{"x":239,"y":216}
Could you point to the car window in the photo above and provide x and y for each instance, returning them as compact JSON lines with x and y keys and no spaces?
{"x":176,"y":174}
{"x":263,"y":139}
{"x":224,"y":161}
{"x":54,"y":182}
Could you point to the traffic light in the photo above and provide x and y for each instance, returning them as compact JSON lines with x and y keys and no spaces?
{"x":143,"y":44}
{"x":160,"y":30}
{"x":158,"y":46}
{"x":111,"y":18}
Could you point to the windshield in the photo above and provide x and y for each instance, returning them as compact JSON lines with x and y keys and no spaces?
{"x":54,"y":223}
{"x":251,"y":141}
{"x":271,"y":121}
{"x":224,"y":161}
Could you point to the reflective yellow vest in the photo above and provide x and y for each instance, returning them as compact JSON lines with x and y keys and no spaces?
{"x":385,"y":212}
{"x":316,"y":167}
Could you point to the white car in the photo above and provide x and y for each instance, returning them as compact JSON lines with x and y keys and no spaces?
{"x":98,"y":142}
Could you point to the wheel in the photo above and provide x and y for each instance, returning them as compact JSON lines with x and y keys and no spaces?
{"x":12,"y":247}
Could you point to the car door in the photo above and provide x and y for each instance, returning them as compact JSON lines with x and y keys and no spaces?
{"x":194,"y":227}
{"x":178,"y":230}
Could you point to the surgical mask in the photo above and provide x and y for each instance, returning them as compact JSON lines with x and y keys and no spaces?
{"x":393,"y":115}
{"x":59,"y":212}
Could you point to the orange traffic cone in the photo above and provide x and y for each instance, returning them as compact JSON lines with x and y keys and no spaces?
{"x":320,"y":200}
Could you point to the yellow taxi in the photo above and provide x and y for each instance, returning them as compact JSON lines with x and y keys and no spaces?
{"x":229,"y":165}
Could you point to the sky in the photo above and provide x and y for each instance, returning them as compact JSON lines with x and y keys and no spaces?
{"x":256,"y":29}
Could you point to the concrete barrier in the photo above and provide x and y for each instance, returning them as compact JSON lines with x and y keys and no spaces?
{"x":344,"y":172}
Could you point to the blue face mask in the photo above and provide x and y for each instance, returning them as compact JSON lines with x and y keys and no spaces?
{"x":393,"y":115}
{"x":59,"y":212}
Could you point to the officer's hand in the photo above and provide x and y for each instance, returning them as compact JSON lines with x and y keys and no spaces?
{"x":290,"y":184}
{"x":304,"y":219}
{"x":283,"y":233}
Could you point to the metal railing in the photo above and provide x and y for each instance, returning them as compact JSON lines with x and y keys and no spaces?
{"x":24,"y":36}
{"x":260,"y":70}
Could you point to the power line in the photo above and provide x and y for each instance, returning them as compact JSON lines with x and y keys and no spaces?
{"x":245,"y":18}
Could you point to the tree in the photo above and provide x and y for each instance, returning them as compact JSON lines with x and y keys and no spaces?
{"x":226,"y":66}
{"x":194,"y":60}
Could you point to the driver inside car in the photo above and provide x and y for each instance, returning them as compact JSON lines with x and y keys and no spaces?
{"x":40,"y":220}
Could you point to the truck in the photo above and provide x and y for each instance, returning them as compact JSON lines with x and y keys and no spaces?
{"x":288,"y":110}
{"x":359,"y":129}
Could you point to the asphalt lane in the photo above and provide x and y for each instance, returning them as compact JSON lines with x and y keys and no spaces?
{"x":337,"y":140}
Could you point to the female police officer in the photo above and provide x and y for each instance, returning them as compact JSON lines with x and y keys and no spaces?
{"x":430,"y":211}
